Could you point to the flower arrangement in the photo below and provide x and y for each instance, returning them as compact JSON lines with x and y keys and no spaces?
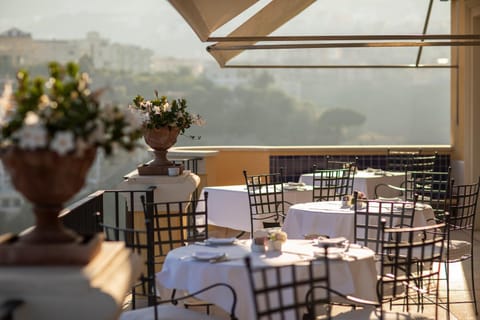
{"x":159,"y":112}
{"x":62,"y":114}
{"x":277,"y":235}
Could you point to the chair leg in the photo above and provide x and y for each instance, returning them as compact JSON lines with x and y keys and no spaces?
{"x":447,"y":280}
{"x":472,"y":270}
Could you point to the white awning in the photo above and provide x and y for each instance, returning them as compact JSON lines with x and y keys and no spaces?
{"x":354,"y":34}
{"x":206,"y":16}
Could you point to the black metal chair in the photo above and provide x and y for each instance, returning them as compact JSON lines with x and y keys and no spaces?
{"x":410,"y":263}
{"x":430,"y":187}
{"x":369,"y":215}
{"x":141,"y":242}
{"x":266,"y":199}
{"x":398,"y":159}
{"x":462,"y":209}
{"x":138,"y":241}
{"x":176,"y":224}
{"x":292,"y":291}
{"x":332,"y":184}
{"x":339,"y":164}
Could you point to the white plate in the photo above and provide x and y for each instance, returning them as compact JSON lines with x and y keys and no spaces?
{"x":221,"y":241}
{"x":207,"y":255}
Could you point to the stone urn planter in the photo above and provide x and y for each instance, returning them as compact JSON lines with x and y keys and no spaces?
{"x":160,"y":140}
{"x":47,"y":180}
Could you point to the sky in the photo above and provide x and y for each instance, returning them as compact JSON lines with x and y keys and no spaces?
{"x":152,"y":24}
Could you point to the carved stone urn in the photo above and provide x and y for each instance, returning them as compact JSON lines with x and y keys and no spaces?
{"x":47,"y":180}
{"x":160,"y":140}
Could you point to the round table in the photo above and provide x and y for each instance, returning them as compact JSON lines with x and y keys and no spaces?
{"x":354,"y":274}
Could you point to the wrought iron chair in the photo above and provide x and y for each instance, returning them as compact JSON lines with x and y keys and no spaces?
{"x":460,"y":226}
{"x":138,"y":241}
{"x":141,"y":242}
{"x":430,"y":187}
{"x":266,"y":199}
{"x":368,"y":217}
{"x":397,"y":160}
{"x":410,"y":263}
{"x":423,"y":162}
{"x":332,"y":184}
{"x":290,"y":291}
{"x":338,"y":164}
{"x":176,"y":224}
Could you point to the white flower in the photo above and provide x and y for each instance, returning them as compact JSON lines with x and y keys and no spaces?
{"x":157,"y":109}
{"x":166,"y":107}
{"x":134,"y":119}
{"x":63,"y":142}
{"x":32,"y":136}
{"x":198,"y":120}
{"x":6,"y":102}
{"x":31,"y":119}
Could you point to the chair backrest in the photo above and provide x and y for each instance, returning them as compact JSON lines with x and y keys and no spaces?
{"x":429,"y":187}
{"x":397,"y":160}
{"x":338,"y":164}
{"x":369,"y":215}
{"x":177,"y":223}
{"x":265,"y":198}
{"x":423,"y":162}
{"x":289,"y":291}
{"x":463,"y":206}
{"x":332,"y":184}
{"x":138,"y":241}
{"x":410,"y":262}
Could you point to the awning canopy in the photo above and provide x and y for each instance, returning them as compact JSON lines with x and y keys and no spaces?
{"x":294,"y":30}
{"x":206,"y":16}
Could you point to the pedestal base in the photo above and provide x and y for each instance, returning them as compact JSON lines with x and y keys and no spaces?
{"x":94,"y":291}
{"x":14,"y":252}
{"x":148,"y":169}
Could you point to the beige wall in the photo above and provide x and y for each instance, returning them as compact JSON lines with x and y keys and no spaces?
{"x":465,"y":100}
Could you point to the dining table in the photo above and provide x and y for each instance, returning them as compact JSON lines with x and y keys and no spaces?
{"x":228,"y":206}
{"x":366,"y":181}
{"x":333,"y":219}
{"x":196,"y":266}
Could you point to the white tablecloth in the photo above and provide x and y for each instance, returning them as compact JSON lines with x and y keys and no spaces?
{"x":228,"y":205}
{"x":366,"y":181}
{"x":356,"y":276}
{"x":329,"y":218}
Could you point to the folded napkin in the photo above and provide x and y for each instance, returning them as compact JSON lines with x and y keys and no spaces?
{"x":331,"y":241}
{"x":221,"y":241}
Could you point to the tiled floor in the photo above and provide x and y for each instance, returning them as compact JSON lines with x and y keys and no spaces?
{"x":461,"y":281}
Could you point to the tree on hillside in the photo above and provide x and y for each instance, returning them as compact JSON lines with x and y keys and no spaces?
{"x":339,"y":121}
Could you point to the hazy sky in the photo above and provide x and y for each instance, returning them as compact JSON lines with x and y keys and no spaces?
{"x":155,"y":24}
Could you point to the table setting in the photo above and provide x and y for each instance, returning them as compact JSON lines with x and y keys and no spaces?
{"x":228,"y":206}
{"x":333,"y":219}
{"x":198,"y":265}
{"x":366,"y":180}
